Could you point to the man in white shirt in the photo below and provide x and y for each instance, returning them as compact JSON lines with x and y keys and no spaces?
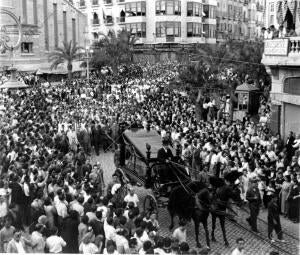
{"x":55,"y":243}
{"x":240,"y":249}
{"x":132,"y":197}
{"x":109,"y":230}
{"x":61,"y":207}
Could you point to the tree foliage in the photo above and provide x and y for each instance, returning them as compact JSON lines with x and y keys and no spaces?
{"x":68,"y":53}
{"x":226,"y":65}
{"x":113,"y":50}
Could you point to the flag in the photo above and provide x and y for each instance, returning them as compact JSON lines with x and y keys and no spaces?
{"x":279,"y":12}
{"x":298,"y":10}
{"x":104,"y":16}
{"x":292,"y":7}
{"x":284,"y":9}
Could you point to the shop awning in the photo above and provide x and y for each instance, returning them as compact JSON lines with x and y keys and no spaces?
{"x":61,"y":69}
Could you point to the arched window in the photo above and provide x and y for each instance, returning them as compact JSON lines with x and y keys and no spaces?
{"x":95,"y":18}
{"x":95,"y":35}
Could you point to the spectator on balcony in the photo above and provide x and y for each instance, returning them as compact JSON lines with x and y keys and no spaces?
{"x":269,"y":34}
{"x":281,"y":33}
{"x":290,"y":32}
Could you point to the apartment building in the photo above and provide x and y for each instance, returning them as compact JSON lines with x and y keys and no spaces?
{"x":45,"y":25}
{"x":239,"y":19}
{"x":153,"y":21}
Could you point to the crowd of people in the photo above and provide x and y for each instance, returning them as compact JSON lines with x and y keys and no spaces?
{"x":273,"y":33}
{"x":53,"y":199}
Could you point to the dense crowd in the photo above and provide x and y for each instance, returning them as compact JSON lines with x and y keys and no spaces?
{"x":53,"y":199}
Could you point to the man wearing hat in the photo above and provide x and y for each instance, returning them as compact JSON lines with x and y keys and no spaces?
{"x":165,"y":155}
{"x":254,"y":199}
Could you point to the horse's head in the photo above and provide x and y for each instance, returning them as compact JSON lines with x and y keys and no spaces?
{"x":235,"y":195}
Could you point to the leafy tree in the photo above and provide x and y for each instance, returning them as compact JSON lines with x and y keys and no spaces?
{"x":114,"y":49}
{"x":68,"y":53}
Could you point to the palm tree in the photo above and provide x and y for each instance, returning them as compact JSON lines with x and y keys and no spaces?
{"x":117,"y":47}
{"x":68,"y":53}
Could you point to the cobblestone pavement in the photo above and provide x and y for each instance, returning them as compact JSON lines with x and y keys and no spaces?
{"x":254,"y":244}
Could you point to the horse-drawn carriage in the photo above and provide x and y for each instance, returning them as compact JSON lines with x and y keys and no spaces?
{"x":176,"y":190}
{"x":141,"y":165}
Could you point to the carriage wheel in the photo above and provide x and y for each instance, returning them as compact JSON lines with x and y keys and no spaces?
{"x":150,"y":205}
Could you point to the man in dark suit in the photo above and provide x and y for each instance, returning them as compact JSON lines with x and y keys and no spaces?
{"x":165,"y":156}
{"x":274,"y":218}
{"x":254,"y":199}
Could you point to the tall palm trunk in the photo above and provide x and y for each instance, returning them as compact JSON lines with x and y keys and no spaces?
{"x":69,"y":67}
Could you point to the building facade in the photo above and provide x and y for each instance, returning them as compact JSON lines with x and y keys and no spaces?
{"x":239,"y":19}
{"x":153,"y":21}
{"x":45,"y":25}
{"x":282,"y":60}
{"x":176,"y":21}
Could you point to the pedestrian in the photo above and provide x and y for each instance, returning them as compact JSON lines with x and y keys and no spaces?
{"x":55,"y":243}
{"x":274,"y":219}
{"x":179,"y":233}
{"x":239,"y":250}
{"x":254,"y":199}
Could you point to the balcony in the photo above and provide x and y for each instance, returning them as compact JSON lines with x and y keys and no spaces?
{"x":95,"y":22}
{"x":120,"y":19}
{"x":109,"y":21}
{"x":285,"y":51}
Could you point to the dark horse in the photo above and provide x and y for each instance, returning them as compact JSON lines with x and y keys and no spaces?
{"x":223,"y":191}
{"x":183,"y":203}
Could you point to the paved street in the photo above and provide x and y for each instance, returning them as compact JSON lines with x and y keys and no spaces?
{"x":254,"y":244}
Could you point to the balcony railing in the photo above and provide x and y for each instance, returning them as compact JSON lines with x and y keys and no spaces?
{"x":109,"y":21}
{"x":295,"y":45}
{"x":282,"y":47}
{"x":95,"y":22}
{"x":120,"y":19}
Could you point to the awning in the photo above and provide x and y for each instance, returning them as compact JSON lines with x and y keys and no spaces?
{"x":61,"y":69}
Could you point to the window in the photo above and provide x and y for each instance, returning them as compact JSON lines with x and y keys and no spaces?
{"x":136,"y":9}
{"x":82,"y":3}
{"x":107,"y":1}
{"x":206,"y":10}
{"x":26,"y":47}
{"x":96,"y":36}
{"x":272,"y":7}
{"x":194,"y":9}
{"x":137,"y":29}
{"x":168,"y":7}
{"x":194,"y":29}
{"x":168,"y":29}
{"x":95,"y":2}
{"x":206,"y":30}
{"x":271,"y":19}
{"x":95,"y":20}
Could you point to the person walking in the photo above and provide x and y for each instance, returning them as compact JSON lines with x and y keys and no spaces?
{"x":254,"y":199}
{"x":274,"y":218}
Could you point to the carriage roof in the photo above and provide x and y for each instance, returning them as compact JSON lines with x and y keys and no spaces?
{"x":139,"y":138}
